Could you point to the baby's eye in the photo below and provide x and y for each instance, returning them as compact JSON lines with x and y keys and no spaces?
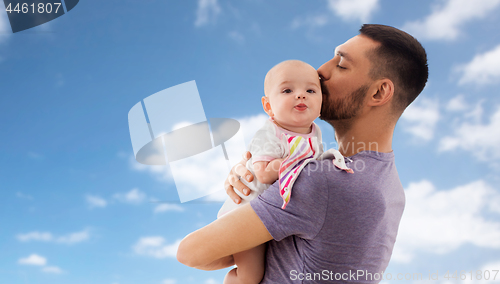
{"x":287,"y":91}
{"x":341,"y":67}
{"x":311,"y":91}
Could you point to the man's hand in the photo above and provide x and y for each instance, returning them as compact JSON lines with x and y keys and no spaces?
{"x":233,"y":179}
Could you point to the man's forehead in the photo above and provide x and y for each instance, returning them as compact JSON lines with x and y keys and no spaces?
{"x":355,"y":48}
{"x":341,"y":51}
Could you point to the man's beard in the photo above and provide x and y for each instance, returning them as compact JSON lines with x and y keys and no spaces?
{"x":345,"y":108}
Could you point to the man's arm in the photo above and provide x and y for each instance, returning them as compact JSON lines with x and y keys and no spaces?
{"x":220,"y":263}
{"x":212,"y":246}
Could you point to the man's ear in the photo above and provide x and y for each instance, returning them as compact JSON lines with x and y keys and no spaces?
{"x":383,"y":91}
{"x":267,"y":106}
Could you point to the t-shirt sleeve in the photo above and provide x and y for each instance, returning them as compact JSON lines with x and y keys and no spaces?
{"x":304,"y":215}
{"x":319,"y":139}
{"x":265,"y":146}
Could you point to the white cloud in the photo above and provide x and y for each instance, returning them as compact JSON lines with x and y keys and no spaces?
{"x":466,"y":111}
{"x":483,"y":69}
{"x":475,"y":114}
{"x":250,"y":125}
{"x":24,"y":196}
{"x":440,"y":221}
{"x":205,"y":173}
{"x":33,"y":259}
{"x":134,"y":196}
{"x":211,"y":281}
{"x":204,"y":181}
{"x":168,"y":207}
{"x":207,"y":12}
{"x":480,"y":139}
{"x":488,"y":270}
{"x":457,"y":104}
{"x":52,"y":269}
{"x":218,"y":196}
{"x":35,"y":156}
{"x":357,"y":10}
{"x":169,"y":281}
{"x":491,"y":267}
{"x":237,"y":37}
{"x":71,"y":238}
{"x":445,"y":21}
{"x":35,"y":236}
{"x":192,"y":178}
{"x":5,"y":30}
{"x":37,"y":260}
{"x":155,"y":247}
{"x":310,"y":21}
{"x":420,"y":118}
{"x":95,"y":201}
{"x":59,"y":80}
{"x":160,"y":172}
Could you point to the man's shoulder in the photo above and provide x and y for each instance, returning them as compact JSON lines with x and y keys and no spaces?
{"x":315,"y":175}
{"x":320,"y":170}
{"x":368,"y":166}
{"x":311,"y":185}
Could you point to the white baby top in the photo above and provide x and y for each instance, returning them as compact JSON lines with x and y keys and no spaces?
{"x":268,"y":144}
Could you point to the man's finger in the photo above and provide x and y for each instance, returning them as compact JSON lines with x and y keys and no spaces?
{"x":241,"y":171}
{"x":230,"y":192}
{"x":236,"y":183}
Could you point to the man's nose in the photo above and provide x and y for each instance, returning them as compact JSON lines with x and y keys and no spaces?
{"x":324,"y":71}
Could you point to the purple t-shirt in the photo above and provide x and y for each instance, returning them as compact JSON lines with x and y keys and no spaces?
{"x":338,"y":227}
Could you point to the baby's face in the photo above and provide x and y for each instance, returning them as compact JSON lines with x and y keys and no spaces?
{"x":294,"y":93}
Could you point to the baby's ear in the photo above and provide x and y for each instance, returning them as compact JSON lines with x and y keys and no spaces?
{"x":267,"y":106}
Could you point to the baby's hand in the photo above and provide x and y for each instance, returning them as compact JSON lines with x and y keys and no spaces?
{"x":267,"y":172}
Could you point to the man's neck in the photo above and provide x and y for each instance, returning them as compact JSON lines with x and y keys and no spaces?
{"x":357,"y":136}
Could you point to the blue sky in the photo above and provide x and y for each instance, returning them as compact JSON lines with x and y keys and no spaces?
{"x":75,"y":207}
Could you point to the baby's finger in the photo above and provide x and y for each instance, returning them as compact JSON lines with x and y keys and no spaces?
{"x":247,"y":155}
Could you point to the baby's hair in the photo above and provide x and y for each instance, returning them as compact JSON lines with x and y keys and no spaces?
{"x":272,"y":71}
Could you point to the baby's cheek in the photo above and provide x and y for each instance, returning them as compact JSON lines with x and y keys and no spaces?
{"x":318,"y":107}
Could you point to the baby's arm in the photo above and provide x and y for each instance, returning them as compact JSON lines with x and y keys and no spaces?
{"x":267,"y":172}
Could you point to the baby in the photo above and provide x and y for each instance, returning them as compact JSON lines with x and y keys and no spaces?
{"x":281,"y":148}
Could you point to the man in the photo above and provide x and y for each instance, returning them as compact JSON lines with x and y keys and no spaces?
{"x":338,"y":226}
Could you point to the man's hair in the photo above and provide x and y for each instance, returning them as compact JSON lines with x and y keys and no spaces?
{"x":400,"y":58}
